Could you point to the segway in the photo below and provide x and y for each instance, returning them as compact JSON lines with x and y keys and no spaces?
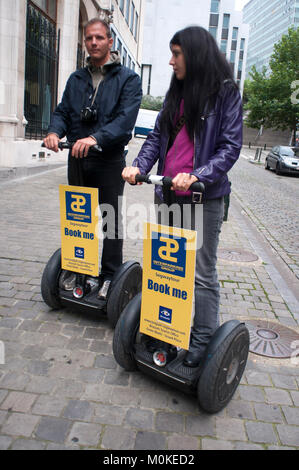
{"x":214,"y":381}
{"x":62,"y":288}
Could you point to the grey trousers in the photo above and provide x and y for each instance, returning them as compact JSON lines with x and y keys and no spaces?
{"x":206,"y":289}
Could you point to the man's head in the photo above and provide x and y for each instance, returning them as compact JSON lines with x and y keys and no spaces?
{"x":98,"y":41}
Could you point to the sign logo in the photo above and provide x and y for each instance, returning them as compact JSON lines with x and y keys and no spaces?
{"x":169,"y":254}
{"x":79,"y":252}
{"x":165,"y":314}
{"x":78,"y":207}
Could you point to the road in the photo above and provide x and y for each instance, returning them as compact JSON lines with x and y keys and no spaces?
{"x":271,"y":202}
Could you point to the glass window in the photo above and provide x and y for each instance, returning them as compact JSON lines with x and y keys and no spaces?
{"x":224,"y":34}
{"x":226,"y":18}
{"x":119,"y":46}
{"x":215,"y":6}
{"x":223,"y":45}
{"x":136,"y":26}
{"x":124,"y":61}
{"x":128,"y":10}
{"x":235,"y":33}
{"x":121,"y":5}
{"x":132,"y":17}
{"x":214,"y":20}
{"x":47,"y":6}
{"x":213,"y":31}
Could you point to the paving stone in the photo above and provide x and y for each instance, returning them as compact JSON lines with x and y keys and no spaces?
{"x":5,"y":442}
{"x":278,"y":396}
{"x":166,"y":421}
{"x":20,"y":424}
{"x":27,"y":444}
{"x":150,"y":441}
{"x":291,"y":415}
{"x":269,"y":413}
{"x":85,"y":434}
{"x":49,"y":405}
{"x":109,"y":414}
{"x":19,"y":401}
{"x":118,"y":438}
{"x":140,"y":419}
{"x":53,"y":429}
{"x":289,"y":435}
{"x":78,"y":410}
{"x":261,"y":432}
{"x":182,"y":442}
{"x":201,"y":426}
{"x":230,"y":429}
{"x":216,"y":444}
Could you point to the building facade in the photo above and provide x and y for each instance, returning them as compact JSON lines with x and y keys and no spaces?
{"x":268,"y":21}
{"x":41,"y":45}
{"x":164,"y":18}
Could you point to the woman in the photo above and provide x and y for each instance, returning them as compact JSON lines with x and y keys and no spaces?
{"x":197,"y":137}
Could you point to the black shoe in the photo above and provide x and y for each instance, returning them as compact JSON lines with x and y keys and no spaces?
{"x":192,"y":359}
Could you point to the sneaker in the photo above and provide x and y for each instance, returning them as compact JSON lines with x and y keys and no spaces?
{"x":102,"y":295}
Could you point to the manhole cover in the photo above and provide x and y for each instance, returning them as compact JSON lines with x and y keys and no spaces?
{"x":232,"y":254}
{"x":272,"y":339}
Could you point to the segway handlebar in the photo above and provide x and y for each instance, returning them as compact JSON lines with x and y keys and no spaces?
{"x":167,"y":182}
{"x":69,"y":145}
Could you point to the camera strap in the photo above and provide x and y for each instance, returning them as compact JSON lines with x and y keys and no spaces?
{"x":95,"y":94}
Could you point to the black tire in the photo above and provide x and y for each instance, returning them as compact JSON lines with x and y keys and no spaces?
{"x":126,"y":286}
{"x":266,"y":165}
{"x":125,"y":335}
{"x":223,"y":371}
{"x":50,"y":281}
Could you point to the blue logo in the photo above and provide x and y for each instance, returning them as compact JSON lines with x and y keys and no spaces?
{"x":79,"y":252}
{"x":165,"y":314}
{"x":169,"y":254}
{"x":78,"y":207}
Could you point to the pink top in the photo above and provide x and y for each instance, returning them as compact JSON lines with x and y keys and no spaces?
{"x":179,"y":158}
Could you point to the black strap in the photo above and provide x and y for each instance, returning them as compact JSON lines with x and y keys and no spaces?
{"x":177,"y":128}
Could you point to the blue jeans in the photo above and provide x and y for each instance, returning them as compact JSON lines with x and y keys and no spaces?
{"x":206,"y":289}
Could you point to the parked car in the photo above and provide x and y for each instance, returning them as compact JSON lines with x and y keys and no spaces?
{"x":283,"y":159}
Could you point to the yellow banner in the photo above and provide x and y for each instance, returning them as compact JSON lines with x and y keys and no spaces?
{"x":79,"y":228}
{"x":168,"y":283}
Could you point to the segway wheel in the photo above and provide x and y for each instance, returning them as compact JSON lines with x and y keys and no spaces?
{"x":223,"y":371}
{"x":50,"y":281}
{"x":125,"y":334}
{"x":127,"y":283}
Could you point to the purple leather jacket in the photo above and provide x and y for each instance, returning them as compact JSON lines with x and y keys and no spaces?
{"x":216,"y":149}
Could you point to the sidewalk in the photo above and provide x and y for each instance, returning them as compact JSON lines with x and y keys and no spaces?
{"x":60,"y":387}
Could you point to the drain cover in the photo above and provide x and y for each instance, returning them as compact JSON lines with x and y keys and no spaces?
{"x":271,"y":339}
{"x":233,"y":254}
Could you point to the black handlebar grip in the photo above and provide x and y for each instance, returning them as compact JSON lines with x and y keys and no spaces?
{"x":197,"y":187}
{"x":141,"y":178}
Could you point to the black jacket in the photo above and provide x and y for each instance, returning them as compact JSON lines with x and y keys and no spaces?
{"x":117,"y":102}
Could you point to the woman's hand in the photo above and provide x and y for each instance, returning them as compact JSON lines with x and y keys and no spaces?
{"x":183,"y":181}
{"x":129,"y":174}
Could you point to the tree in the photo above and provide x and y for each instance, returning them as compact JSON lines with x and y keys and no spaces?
{"x":271,"y":97}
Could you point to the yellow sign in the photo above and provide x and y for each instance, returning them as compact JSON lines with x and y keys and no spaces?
{"x":79,"y":228}
{"x":168,"y":283}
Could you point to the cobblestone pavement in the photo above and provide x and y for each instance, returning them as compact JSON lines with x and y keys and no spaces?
{"x":60,"y":387}
{"x":270,"y":201}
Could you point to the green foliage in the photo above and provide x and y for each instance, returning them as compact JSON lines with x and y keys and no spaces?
{"x":269,"y":95}
{"x":151,"y":102}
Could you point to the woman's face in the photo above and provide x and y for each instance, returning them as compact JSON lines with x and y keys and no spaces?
{"x":177,"y":62}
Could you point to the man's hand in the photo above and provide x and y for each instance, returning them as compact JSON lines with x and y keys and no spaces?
{"x":82,"y":146}
{"x":129,"y":174}
{"x":51,"y":142}
{"x":183,"y":181}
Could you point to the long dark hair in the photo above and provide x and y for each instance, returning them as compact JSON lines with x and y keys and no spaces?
{"x":206,"y":70}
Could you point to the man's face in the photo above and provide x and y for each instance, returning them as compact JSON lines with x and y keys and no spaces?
{"x":177,"y":62}
{"x":97,"y":43}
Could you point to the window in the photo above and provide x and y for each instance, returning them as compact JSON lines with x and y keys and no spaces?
{"x":136,"y":26}
{"x":47,"y":6}
{"x":215,"y":6}
{"x":213,"y":31}
{"x":235,"y":33}
{"x":226,"y":18}
{"x":214,"y":20}
{"x":132,"y":17}
{"x":119,"y":46}
{"x":124,"y":61}
{"x":121,"y":5}
{"x":223,"y":45}
{"x":128,"y":11}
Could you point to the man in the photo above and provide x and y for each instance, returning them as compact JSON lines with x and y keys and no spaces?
{"x":99,"y":107}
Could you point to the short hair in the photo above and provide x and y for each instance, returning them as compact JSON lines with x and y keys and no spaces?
{"x":95,"y":21}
